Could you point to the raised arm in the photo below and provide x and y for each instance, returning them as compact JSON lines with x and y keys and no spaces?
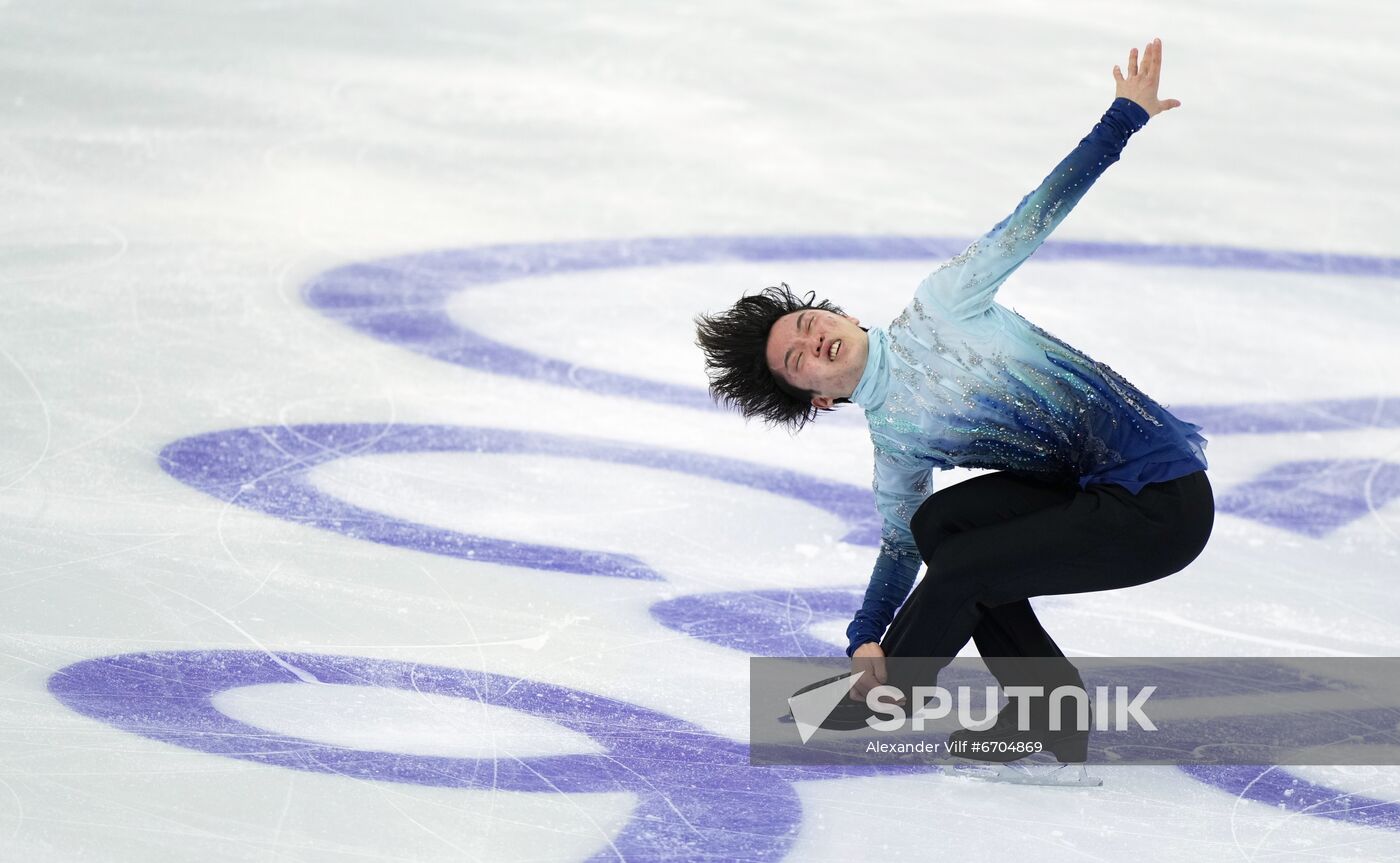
{"x":966,"y":285}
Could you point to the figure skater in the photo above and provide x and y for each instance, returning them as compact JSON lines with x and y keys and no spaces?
{"x":1096,"y":485}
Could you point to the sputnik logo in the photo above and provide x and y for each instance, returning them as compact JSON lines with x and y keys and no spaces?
{"x":810,"y":709}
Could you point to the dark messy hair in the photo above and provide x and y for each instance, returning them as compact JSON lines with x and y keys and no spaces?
{"x":735,"y":343}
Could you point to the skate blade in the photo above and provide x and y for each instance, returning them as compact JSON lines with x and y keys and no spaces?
{"x":1062,"y":775}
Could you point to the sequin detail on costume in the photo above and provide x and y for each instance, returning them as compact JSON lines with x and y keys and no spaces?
{"x":892,"y":544}
{"x":990,"y":403}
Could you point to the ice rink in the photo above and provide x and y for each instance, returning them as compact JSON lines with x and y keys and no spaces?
{"x":361,"y":499}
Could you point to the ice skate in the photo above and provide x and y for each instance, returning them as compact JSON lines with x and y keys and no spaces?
{"x":1004,"y":742}
{"x":1021,"y":773}
{"x":843,"y":714}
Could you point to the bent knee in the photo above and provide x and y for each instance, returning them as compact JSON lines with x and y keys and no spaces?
{"x":931,"y":524}
{"x":951,"y":568}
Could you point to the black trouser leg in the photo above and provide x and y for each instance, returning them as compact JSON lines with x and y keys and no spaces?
{"x":994,"y":541}
{"x":1011,"y":629}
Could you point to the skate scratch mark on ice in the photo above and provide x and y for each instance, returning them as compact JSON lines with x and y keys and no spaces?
{"x":1320,"y":598}
{"x":1312,"y":809}
{"x":302,"y":675}
{"x":19,"y":807}
{"x":1178,"y":620}
{"x":1065,"y":843}
{"x":387,"y":794}
{"x":535,"y":643}
{"x":48,"y":421}
{"x":261,"y":584}
{"x":481,"y":699}
{"x":172,"y":829}
{"x":171,"y":825}
{"x":799,"y":626}
{"x":282,"y":818}
{"x":481,"y":662}
{"x":1368,"y":488}
{"x":71,"y":654}
{"x":1234,"y":811}
{"x":140,"y":401}
{"x":572,"y":800}
{"x":67,"y":563}
{"x":233,"y":501}
{"x":389,"y":789}
{"x":644,"y":779}
{"x":531,"y":642}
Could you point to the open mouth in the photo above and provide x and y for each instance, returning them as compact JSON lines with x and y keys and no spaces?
{"x":832,"y":351}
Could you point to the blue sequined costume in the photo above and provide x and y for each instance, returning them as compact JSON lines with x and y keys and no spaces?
{"x":957,"y":380}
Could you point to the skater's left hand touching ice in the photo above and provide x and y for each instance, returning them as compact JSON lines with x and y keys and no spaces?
{"x":869,"y":658}
{"x":1141,"y":83}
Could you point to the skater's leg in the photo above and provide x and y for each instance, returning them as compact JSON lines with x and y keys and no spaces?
{"x":1012,"y":630}
{"x":1007,"y":633}
{"x":989,"y":499}
{"x":984,"y":500}
{"x":1104,"y":537}
{"x":979,"y":580}
{"x":1009,"y":630}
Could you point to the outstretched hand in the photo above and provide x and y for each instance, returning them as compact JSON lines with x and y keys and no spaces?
{"x":1141,"y":84}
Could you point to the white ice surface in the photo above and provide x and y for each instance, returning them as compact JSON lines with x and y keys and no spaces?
{"x":173,"y":174}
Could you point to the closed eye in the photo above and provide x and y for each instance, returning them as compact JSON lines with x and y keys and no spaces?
{"x":811,"y":319}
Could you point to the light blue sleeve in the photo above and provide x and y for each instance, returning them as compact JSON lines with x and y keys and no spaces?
{"x":966,"y":285}
{"x":899,"y":490}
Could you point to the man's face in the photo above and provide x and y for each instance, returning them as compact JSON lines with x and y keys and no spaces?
{"x":820,"y":351}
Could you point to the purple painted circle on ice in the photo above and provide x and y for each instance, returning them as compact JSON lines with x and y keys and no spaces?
{"x":760,"y":622}
{"x":698,"y":797}
{"x":265,"y":468}
{"x":404,"y":300}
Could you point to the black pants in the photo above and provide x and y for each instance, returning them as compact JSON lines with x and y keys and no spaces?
{"x":993,"y":541}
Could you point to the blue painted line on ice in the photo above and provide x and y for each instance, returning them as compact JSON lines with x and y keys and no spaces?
{"x":403,"y":300}
{"x":697,"y":797}
{"x":1314,"y":498}
{"x":265,"y":468}
{"x":735,"y":813}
